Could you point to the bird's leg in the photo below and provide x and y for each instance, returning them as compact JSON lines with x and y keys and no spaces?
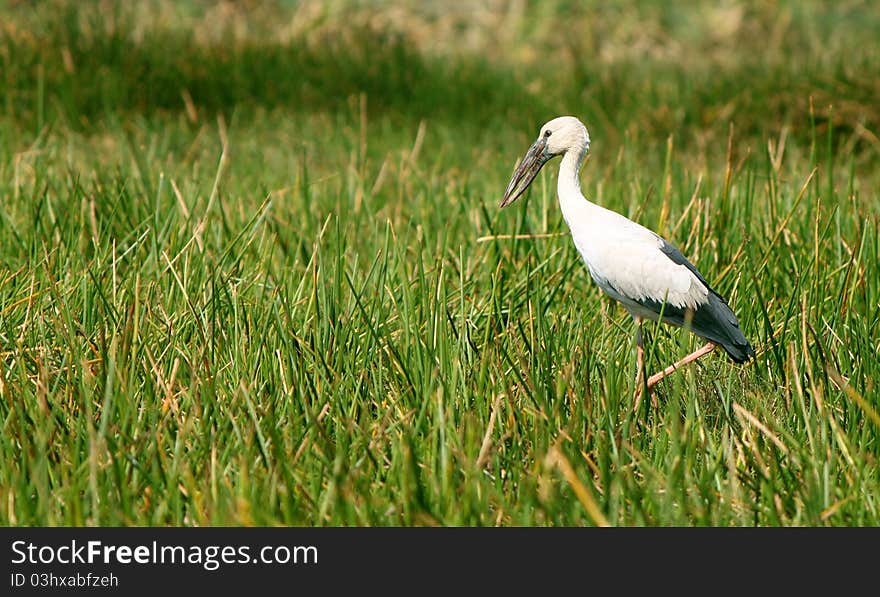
{"x":652,"y":381}
{"x":640,"y":364}
{"x":641,"y":374}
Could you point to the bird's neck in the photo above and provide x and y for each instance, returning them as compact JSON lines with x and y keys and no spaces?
{"x":571,"y":200}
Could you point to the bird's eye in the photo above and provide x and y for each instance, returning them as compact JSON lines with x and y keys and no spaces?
{"x":547,"y":133}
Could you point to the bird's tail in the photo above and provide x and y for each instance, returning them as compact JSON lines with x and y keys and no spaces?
{"x":717,"y":323}
{"x":740,"y":353}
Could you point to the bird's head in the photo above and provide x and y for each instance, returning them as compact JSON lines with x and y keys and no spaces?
{"x":557,"y":137}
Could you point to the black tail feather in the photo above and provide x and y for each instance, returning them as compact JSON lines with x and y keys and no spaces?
{"x":715,"y":322}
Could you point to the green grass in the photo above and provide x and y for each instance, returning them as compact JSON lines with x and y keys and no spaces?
{"x":252,"y":269}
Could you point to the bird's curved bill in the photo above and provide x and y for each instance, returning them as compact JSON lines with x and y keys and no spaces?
{"x":525,"y":173}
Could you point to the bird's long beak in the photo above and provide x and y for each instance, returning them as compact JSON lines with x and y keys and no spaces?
{"x":528,"y":168}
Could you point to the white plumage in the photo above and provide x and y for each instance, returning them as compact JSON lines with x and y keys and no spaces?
{"x":625,"y":259}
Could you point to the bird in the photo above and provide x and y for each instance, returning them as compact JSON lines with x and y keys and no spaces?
{"x":633,"y":265}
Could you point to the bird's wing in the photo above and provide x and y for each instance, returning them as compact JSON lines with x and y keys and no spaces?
{"x":672,"y":252}
{"x":639,"y":265}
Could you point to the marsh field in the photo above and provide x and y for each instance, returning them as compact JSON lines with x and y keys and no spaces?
{"x":253,"y":270}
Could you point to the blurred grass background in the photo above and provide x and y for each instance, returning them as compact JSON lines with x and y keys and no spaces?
{"x":252,"y":269}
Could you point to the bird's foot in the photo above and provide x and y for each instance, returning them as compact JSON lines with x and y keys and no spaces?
{"x":640,"y":388}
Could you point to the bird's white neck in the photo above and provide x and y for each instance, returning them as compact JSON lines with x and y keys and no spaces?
{"x":571,"y":200}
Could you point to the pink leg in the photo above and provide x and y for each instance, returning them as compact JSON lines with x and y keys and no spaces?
{"x":641,"y":385}
{"x":652,"y":381}
{"x":640,"y":364}
{"x":641,"y":374}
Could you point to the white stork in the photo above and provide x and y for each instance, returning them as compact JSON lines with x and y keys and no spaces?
{"x":633,"y":265}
